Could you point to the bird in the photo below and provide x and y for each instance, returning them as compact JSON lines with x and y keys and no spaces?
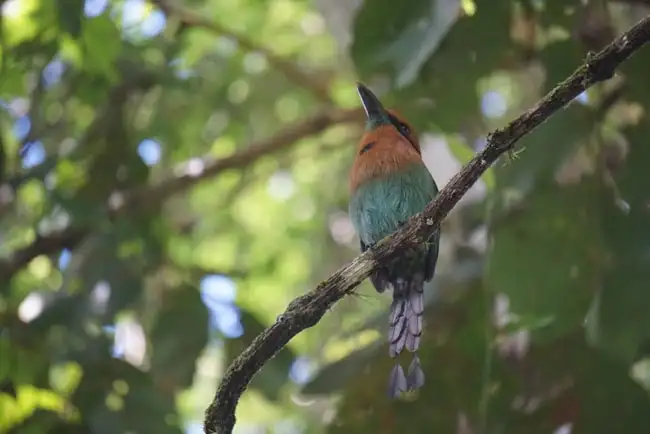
{"x":389,"y":183}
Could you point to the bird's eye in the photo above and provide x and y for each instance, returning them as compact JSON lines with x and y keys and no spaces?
{"x":404,"y":129}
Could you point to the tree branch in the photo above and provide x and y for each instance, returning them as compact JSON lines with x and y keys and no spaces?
{"x":187,"y":175}
{"x":195,"y":170}
{"x":290,"y":70}
{"x":306,"y":310}
{"x":42,"y":245}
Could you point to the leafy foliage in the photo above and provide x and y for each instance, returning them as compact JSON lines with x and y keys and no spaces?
{"x":165,"y":191}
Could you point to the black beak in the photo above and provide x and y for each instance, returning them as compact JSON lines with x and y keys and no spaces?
{"x":375,"y":111}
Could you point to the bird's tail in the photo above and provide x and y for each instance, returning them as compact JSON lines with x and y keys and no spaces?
{"x":405,"y":331}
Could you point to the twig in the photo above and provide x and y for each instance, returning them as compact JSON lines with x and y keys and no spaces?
{"x":195,"y":170}
{"x":306,"y":310}
{"x":42,"y":245}
{"x":290,"y":70}
{"x":189,"y":176}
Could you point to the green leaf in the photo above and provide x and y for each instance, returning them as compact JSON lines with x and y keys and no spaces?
{"x":45,"y":421}
{"x":36,"y":19}
{"x":404,"y":37}
{"x":178,"y":337}
{"x":445,"y":92}
{"x":136,"y":405}
{"x":70,"y":13}
{"x":558,"y":13}
{"x":619,"y":320}
{"x":23,"y":362}
{"x":102,"y":45}
{"x":97,"y":48}
{"x":545,"y":237}
{"x":560,"y":58}
{"x":336,"y":376}
{"x":545,"y":255}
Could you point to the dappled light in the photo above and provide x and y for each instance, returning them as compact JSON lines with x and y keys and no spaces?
{"x":178,"y":252}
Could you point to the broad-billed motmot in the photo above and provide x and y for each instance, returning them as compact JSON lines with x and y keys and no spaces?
{"x":388,"y":184}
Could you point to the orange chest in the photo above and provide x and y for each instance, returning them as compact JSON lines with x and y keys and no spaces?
{"x":380,"y":160}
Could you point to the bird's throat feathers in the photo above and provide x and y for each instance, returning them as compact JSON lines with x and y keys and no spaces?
{"x":382,"y":152}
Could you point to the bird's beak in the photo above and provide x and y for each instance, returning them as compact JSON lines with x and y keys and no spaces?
{"x":375,"y":111}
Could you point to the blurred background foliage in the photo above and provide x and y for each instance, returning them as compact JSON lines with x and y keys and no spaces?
{"x":173,"y":173}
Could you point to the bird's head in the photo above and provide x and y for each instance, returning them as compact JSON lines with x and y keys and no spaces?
{"x":383,"y":124}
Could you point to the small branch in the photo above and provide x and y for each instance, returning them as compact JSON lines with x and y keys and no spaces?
{"x":190,"y":173}
{"x":196,"y":170}
{"x":306,"y":310}
{"x":42,"y":245}
{"x":290,"y":70}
